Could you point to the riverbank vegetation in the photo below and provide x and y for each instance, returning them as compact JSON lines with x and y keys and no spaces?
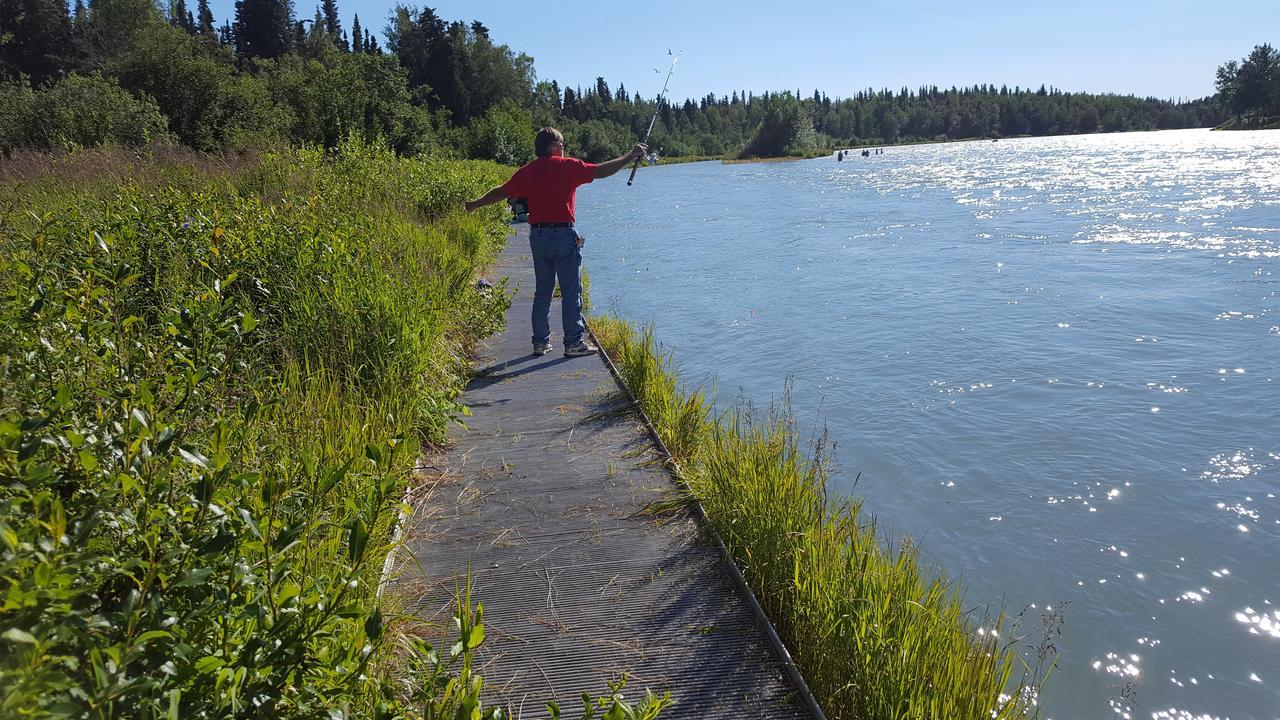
{"x":122,"y":71}
{"x":1250,"y":89}
{"x":873,"y":633}
{"x":217,"y":376}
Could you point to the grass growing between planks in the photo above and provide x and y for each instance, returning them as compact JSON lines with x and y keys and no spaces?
{"x":214,"y":385}
{"x":875,"y":636}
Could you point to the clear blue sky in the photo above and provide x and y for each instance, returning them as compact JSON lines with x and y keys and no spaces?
{"x":1167,"y":48}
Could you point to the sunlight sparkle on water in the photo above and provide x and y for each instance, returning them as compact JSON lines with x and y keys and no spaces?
{"x":983,"y":326}
{"x":1120,"y":664}
{"x":1176,"y":714}
{"x":1260,"y":623}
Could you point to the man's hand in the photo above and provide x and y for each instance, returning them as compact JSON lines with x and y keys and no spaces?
{"x":605,"y":169}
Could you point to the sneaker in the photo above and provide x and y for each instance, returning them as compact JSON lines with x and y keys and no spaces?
{"x":579,"y":349}
{"x":541,"y":348}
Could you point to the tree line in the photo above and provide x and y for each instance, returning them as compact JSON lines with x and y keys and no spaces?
{"x":129,"y":71}
{"x":1250,"y":88}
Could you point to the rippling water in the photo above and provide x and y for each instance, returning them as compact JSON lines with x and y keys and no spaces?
{"x":1054,"y":362}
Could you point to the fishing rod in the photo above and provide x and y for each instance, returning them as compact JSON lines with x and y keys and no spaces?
{"x":656,"y":108}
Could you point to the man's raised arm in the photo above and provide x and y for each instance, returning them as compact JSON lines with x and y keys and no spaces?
{"x":605,"y":169}
{"x":489,"y":198}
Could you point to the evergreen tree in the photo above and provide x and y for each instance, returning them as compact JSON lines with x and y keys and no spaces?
{"x":570,"y":105}
{"x":35,"y":39}
{"x":357,"y":40}
{"x":1256,"y":81}
{"x":602,"y":89}
{"x":315,"y":41}
{"x":455,"y":70}
{"x":179,"y":16}
{"x":204,"y":19}
{"x":413,"y":36}
{"x":371,"y":44}
{"x":433,"y":52}
{"x":263,"y":28}
{"x":1250,"y":88}
{"x":332,"y":23}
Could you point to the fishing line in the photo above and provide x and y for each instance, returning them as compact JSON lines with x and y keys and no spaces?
{"x":656,"y":108}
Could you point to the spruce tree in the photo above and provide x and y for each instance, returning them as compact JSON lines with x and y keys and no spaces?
{"x":204,"y":20}
{"x":177,"y":11}
{"x":263,"y":28}
{"x":39,"y":39}
{"x":332,"y":23}
{"x":357,"y":40}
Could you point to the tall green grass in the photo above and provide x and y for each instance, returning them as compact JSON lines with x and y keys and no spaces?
{"x":874,"y":635}
{"x":213,"y":391}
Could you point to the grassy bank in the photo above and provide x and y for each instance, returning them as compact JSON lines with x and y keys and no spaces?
{"x":1251,"y":123}
{"x":216,"y":378}
{"x":874,"y":635}
{"x":809,"y":155}
{"x":682,"y":159}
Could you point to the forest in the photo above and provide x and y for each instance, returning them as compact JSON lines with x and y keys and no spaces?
{"x":133,"y":72}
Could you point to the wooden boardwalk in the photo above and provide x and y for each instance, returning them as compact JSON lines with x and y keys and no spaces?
{"x":541,"y":498}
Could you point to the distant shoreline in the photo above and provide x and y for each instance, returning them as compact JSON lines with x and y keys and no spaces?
{"x":853,"y":149}
{"x":1269,"y":123}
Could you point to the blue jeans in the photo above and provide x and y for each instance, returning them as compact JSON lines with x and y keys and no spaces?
{"x":556,"y":257}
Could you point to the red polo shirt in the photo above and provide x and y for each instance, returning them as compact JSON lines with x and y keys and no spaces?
{"x":550,"y":184}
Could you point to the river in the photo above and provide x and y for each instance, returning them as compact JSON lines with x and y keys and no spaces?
{"x":1053,"y":362}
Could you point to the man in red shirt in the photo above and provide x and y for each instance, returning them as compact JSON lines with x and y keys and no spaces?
{"x":550,"y":183}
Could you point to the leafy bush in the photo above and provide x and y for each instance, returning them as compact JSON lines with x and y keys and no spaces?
{"x":786,"y":129}
{"x":597,"y":140}
{"x":209,"y":104}
{"x":504,"y":135}
{"x":16,"y":101}
{"x":340,"y":95}
{"x":210,"y":407}
{"x":77,"y":111}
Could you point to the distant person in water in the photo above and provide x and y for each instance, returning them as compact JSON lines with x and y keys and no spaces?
{"x":550,"y":183}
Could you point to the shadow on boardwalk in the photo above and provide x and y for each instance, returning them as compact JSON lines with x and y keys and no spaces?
{"x":541,"y":498}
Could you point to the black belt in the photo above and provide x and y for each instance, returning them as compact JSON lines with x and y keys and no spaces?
{"x":551,"y":225}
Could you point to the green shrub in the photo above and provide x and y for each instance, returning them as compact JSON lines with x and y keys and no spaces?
{"x":77,"y":111}
{"x":504,"y":134}
{"x":340,"y":95}
{"x":597,"y":140}
{"x":209,"y":104}
{"x":210,"y":407}
{"x":16,"y":101}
